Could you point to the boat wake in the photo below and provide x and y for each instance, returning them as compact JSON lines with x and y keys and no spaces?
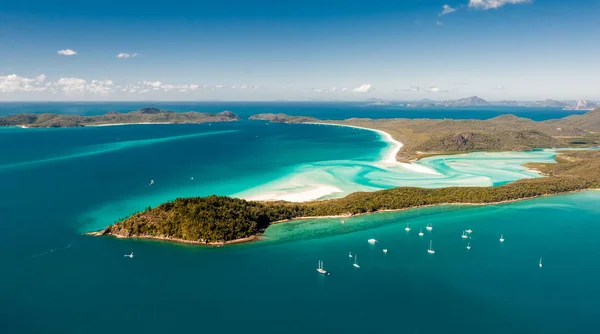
{"x":52,"y":251}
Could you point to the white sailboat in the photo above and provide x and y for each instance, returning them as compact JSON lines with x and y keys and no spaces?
{"x":407,"y":229}
{"x":372,"y":241}
{"x":320,"y":269}
{"x":355,"y":263}
{"x":501,"y":237}
{"x":469,"y":231}
{"x":430,"y":250}
{"x":129,"y":255}
{"x":385,"y":251}
{"x":350,"y":254}
{"x":429,"y":227}
{"x":464,"y":235}
{"x":151,"y":182}
{"x":421,"y":233}
{"x":468,"y":245}
{"x":540,"y":262}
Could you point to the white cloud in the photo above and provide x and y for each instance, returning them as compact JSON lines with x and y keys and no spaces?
{"x":158,"y":85}
{"x":123,"y":55}
{"x":413,"y":88}
{"x":446,"y":9}
{"x":363,"y":88}
{"x":492,"y":4}
{"x":14,"y":83}
{"x":103,"y":87}
{"x":434,"y":89}
{"x":71,"y":85}
{"x":439,"y":23}
{"x":67,"y":52}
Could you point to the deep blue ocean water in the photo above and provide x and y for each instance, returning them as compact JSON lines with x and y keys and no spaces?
{"x":57,"y":183}
{"x":322,"y":110}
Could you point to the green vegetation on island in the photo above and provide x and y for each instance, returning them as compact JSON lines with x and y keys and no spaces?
{"x":144,"y":115}
{"x":425,"y":137}
{"x":218,"y":220}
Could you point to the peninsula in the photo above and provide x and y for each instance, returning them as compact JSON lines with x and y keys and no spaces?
{"x":220,"y":220}
{"x":142,"y":116}
{"x":426,"y":137}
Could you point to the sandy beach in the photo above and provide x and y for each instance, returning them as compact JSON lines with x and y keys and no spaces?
{"x":389,"y":159}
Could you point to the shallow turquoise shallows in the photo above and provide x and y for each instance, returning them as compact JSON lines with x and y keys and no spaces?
{"x":57,"y":183}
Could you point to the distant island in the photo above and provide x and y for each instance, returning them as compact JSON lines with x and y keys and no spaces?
{"x":475,"y":101}
{"x":218,"y":220}
{"x":142,"y":116}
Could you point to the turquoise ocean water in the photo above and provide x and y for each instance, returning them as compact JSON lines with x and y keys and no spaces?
{"x":57,"y":183}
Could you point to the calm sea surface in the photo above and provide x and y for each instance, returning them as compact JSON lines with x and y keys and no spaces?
{"x":57,"y":183}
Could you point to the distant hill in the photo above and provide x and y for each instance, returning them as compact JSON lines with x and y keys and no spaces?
{"x":535,"y":104}
{"x":473,"y":101}
{"x":589,"y":121}
{"x":144,"y":115}
{"x":282,"y":118}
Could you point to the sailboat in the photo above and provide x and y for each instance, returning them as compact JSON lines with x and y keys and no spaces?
{"x":464,"y":235}
{"x":129,"y":255}
{"x":421,"y":233}
{"x":429,"y":227}
{"x":468,"y":245}
{"x":342,"y":221}
{"x":320,"y":269}
{"x":372,"y":241}
{"x":430,"y":250}
{"x":350,"y":254}
{"x":469,"y":231}
{"x":407,"y":229}
{"x":501,"y":237}
{"x":151,"y":183}
{"x":385,"y":251}
{"x":540,"y":262}
{"x":355,"y":263}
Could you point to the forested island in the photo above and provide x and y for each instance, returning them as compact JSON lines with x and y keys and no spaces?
{"x":142,"y":116}
{"x":218,"y":220}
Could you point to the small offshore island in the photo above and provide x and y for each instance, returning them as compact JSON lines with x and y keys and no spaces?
{"x":218,"y":220}
{"x":142,"y":116}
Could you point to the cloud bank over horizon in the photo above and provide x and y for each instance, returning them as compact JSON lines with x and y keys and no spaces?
{"x":340,"y":50}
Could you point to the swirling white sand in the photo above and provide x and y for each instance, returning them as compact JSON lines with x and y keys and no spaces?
{"x":332,"y":179}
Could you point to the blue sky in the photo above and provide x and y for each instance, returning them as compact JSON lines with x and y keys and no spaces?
{"x":299,"y":50}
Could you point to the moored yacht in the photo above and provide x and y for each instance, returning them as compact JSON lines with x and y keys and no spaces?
{"x":430,"y":250}
{"x":429,"y":227}
{"x":320,"y":269}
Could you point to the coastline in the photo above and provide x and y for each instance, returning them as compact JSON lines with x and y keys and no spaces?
{"x":119,"y":124}
{"x":258,"y":237}
{"x":178,"y":240}
{"x":389,"y":158}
